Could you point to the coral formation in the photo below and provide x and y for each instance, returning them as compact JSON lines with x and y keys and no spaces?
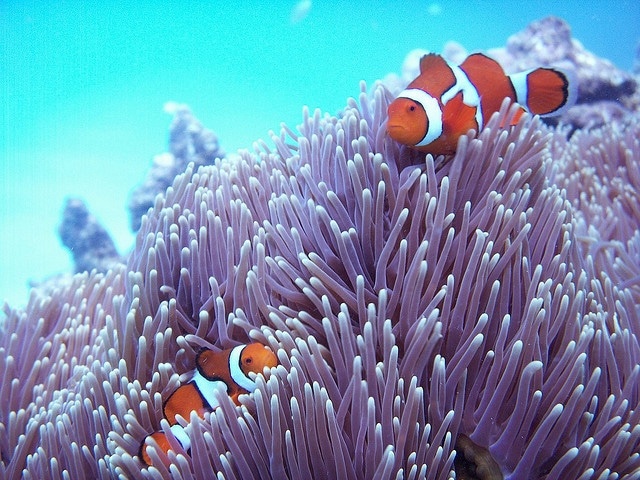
{"x":88,"y":241}
{"x":189,"y":142}
{"x":605,"y":91}
{"x":486,"y":305}
{"x":548,"y":42}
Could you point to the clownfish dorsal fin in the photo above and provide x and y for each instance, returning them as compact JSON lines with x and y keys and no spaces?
{"x":480,"y":61}
{"x":436,"y":76}
{"x":492,"y":84}
{"x":432,"y":62}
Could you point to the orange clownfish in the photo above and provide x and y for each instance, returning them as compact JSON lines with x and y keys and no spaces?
{"x":446,"y":101}
{"x":229,"y":369}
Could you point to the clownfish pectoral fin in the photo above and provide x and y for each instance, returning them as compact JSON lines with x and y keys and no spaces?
{"x":165,"y":443}
{"x":458,"y":117}
{"x":515,"y":119}
{"x":545,"y":91}
{"x":145,"y":448}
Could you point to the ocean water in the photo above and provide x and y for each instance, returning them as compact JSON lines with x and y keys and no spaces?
{"x":83,"y":84}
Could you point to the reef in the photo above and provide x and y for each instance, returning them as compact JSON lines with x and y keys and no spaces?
{"x":88,"y":241}
{"x":189,"y":142}
{"x":605,"y":92}
{"x":475,"y":317}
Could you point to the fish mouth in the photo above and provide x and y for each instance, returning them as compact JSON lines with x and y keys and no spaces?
{"x":396,"y":131}
{"x":394,"y":127}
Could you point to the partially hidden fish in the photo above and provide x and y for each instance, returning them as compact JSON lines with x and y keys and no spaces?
{"x":228,"y":369}
{"x":446,"y":101}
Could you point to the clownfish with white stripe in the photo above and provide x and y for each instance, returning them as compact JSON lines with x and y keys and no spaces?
{"x":446,"y":101}
{"x":228,"y":369}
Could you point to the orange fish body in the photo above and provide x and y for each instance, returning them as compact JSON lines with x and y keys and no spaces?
{"x":446,"y":101}
{"x":228,"y":369}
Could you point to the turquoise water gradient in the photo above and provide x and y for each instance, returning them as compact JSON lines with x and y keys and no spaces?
{"x":82,"y":86}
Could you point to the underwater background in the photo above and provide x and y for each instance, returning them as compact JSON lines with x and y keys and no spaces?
{"x":83,"y":85}
{"x":471,"y":316}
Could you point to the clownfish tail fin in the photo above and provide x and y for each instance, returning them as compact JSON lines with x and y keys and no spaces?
{"x":545,"y":91}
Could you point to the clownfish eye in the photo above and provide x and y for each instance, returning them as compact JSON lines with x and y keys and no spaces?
{"x":412,"y":108}
{"x":248,"y":360}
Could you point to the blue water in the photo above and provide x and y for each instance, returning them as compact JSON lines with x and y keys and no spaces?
{"x":82,"y":86}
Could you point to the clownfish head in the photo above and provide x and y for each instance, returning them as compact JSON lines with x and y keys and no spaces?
{"x":415,"y":118}
{"x":407,"y":122}
{"x":255,"y":357}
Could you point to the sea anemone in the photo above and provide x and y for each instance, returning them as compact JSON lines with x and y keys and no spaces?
{"x":430,"y":316}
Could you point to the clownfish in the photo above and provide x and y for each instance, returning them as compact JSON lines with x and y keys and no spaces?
{"x":229,"y":369}
{"x":446,"y":101}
